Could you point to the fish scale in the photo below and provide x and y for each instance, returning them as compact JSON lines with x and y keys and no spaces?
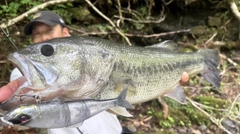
{"x":162,"y":66}
{"x":154,"y":72}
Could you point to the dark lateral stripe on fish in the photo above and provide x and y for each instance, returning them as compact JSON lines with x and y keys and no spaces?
{"x":155,"y":68}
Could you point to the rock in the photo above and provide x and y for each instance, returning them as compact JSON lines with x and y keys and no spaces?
{"x":132,"y":128}
{"x":231,"y":125}
{"x":203,"y":127}
{"x":182,"y":130}
{"x":214,"y":21}
{"x":136,"y":123}
{"x":208,"y":132}
{"x":171,"y":130}
{"x":213,"y":128}
{"x":195,"y":131}
{"x":217,"y":96}
{"x":192,"y":130}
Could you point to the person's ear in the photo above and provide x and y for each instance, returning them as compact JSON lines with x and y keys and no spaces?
{"x":66,"y":31}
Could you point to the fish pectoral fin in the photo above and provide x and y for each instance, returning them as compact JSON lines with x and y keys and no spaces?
{"x":177,"y":94}
{"x":120,"y":111}
{"x":101,"y":63}
{"x":168,"y":44}
{"x":125,"y":83}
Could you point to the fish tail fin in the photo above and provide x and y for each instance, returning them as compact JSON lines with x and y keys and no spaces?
{"x":121,"y":100}
{"x":211,"y":72}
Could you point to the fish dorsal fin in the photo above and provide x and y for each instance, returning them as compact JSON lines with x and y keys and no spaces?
{"x":168,"y":44}
{"x":177,"y":94}
{"x":119,"y":111}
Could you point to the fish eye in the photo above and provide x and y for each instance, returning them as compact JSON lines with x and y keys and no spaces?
{"x":23,"y":118}
{"x":47,"y":50}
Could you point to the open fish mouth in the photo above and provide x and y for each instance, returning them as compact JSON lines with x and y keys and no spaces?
{"x":38,"y":74}
{"x":21,"y":63}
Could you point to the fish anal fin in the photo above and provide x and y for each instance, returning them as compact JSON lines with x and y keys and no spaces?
{"x":177,"y":94}
{"x":120,"y":111}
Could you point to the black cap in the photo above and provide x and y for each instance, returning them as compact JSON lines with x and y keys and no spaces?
{"x":47,"y":17}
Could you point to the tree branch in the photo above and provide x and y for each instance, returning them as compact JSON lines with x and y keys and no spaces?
{"x":228,"y":59}
{"x":82,"y":33}
{"x":111,"y":22}
{"x":234,"y":9}
{"x":213,"y":119}
{"x":33,"y":10}
{"x":158,"y":34}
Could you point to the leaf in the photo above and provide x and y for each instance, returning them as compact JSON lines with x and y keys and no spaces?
{"x":25,"y":1}
{"x":182,"y":123}
{"x":171,"y":119}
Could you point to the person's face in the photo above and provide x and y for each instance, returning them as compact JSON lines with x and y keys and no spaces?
{"x":42,"y":32}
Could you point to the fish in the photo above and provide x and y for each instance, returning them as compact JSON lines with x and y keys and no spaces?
{"x":78,"y":68}
{"x":58,"y":114}
{"x":155,"y":71}
{"x":148,"y":72}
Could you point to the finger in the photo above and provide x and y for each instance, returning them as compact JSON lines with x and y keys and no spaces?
{"x":10,"y":88}
{"x":184,"y":78}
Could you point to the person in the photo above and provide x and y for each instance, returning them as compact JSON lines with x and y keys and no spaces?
{"x":44,"y":26}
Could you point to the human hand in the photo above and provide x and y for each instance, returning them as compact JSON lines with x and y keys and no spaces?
{"x":184,"y":78}
{"x":9,"y":89}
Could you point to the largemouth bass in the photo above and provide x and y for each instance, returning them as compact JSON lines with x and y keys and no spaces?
{"x":57,"y":114}
{"x":55,"y":70}
{"x":156,"y":70}
{"x":148,"y":73}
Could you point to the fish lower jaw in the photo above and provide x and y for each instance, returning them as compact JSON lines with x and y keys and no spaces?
{"x":35,"y":87}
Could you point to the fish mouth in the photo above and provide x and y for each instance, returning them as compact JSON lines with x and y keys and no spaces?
{"x":21,"y":63}
{"x":38,"y":74}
